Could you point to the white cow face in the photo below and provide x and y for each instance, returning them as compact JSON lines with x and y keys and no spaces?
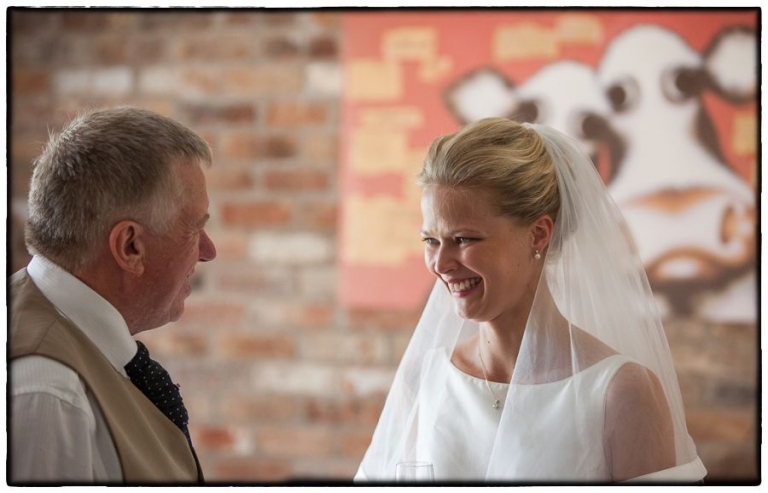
{"x":692,"y":217}
{"x":565,"y":95}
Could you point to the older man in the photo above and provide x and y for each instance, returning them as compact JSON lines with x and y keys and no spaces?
{"x":117,"y":211}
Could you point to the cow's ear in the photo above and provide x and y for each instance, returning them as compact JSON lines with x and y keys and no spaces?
{"x":731,"y":61}
{"x":481,"y":94}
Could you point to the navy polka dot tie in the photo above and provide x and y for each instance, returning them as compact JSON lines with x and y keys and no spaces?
{"x":155,"y":383}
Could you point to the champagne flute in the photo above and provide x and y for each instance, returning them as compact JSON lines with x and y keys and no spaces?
{"x":414,"y":471}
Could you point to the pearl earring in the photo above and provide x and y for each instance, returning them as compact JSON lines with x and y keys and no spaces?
{"x":537,"y":256}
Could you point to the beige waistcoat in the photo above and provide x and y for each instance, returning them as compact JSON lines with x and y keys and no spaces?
{"x":151,"y":448}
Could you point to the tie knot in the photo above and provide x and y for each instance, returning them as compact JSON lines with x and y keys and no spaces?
{"x":139,"y":361}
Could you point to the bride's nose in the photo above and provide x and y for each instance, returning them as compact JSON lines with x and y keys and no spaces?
{"x":445,"y":259}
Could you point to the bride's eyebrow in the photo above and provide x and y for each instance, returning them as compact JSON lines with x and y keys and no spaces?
{"x":454,"y":232}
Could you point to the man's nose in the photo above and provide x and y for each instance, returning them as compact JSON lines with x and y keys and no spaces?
{"x":207,"y":248}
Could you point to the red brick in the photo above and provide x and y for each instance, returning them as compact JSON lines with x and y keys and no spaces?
{"x":280,"y":19}
{"x":399,"y":345}
{"x":313,"y":315}
{"x":279,"y":147}
{"x":262,"y":409}
{"x":390,"y":320}
{"x":323,"y":47}
{"x":250,"y":469}
{"x":296,"y":441}
{"x":172,"y":341}
{"x":28,"y":82}
{"x":345,"y":348}
{"x":216,"y":47}
{"x":25,"y":22}
{"x":292,"y":313}
{"x":206,"y":313}
{"x":199,"y":81}
{"x":247,"y":146}
{"x":259,"y":81}
{"x":325,"y":469}
{"x":321,"y":148}
{"x":174,"y":21}
{"x":123,"y":21}
{"x":148,"y":50}
{"x":212,"y":114}
{"x":84,"y":21}
{"x":199,"y":404}
{"x":279,"y":46}
{"x":355,"y":443}
{"x":320,"y":216}
{"x":19,"y":257}
{"x":113,"y":50}
{"x":206,"y":378}
{"x":729,"y":462}
{"x":213,"y":438}
{"x":233,"y":346}
{"x":347,"y":411}
{"x":295,"y":180}
{"x":240,"y":18}
{"x":256,"y":213}
{"x":297,"y":114}
{"x":254,"y":280}
{"x":23,"y":153}
{"x":326,"y":19}
{"x":157,"y":104}
{"x":230,"y":244}
{"x":734,"y":426}
{"x":228,"y":179}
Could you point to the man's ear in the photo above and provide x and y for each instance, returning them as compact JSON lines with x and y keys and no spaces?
{"x":542,"y":229}
{"x":127,"y":243}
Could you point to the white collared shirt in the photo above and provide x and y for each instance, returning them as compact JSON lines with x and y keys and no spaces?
{"x":58,"y":433}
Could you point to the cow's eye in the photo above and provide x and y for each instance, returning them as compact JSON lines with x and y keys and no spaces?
{"x":679,"y":84}
{"x":530,"y":110}
{"x":623,"y":95}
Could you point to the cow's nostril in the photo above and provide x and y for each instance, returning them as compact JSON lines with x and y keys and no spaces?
{"x":592,"y":126}
{"x":737,"y":224}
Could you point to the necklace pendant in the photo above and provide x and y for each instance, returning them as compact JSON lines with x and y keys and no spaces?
{"x":496,"y":404}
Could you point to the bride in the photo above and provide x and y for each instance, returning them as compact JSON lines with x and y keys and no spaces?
{"x":540,"y":356}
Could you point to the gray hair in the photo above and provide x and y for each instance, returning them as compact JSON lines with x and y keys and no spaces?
{"x":500,"y":156}
{"x":106,"y":166}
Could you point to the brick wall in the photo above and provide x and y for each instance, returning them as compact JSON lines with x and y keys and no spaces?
{"x":280,"y":381}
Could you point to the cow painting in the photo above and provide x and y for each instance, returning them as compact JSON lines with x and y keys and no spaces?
{"x":640,"y":115}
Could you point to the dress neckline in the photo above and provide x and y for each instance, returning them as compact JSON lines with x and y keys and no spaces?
{"x":505,"y":386}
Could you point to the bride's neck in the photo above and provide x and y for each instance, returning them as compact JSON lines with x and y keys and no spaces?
{"x":499,"y":341}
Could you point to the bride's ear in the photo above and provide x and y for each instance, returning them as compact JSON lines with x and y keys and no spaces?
{"x":541,"y":230}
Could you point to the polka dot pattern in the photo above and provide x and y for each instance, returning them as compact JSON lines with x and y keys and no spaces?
{"x":155,"y":383}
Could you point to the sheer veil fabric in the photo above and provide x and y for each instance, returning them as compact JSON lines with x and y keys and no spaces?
{"x":593,"y":301}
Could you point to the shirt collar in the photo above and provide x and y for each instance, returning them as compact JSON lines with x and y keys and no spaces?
{"x":86,"y":309}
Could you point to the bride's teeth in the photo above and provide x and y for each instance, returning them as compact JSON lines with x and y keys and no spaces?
{"x":464,"y":285}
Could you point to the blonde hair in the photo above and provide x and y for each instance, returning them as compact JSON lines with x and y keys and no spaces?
{"x":500,"y":156}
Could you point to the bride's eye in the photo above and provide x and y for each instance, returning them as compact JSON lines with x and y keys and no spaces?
{"x":430,"y":241}
{"x":462,"y":240}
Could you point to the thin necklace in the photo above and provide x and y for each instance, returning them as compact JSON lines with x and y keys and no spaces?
{"x":496,"y":401}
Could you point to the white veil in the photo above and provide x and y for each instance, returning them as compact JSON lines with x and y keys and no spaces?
{"x":593,"y":286}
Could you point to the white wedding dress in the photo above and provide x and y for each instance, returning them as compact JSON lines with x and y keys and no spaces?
{"x":458,"y":426}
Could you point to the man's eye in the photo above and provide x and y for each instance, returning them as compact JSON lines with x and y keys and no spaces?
{"x":430,"y":241}
{"x":461,"y":240}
